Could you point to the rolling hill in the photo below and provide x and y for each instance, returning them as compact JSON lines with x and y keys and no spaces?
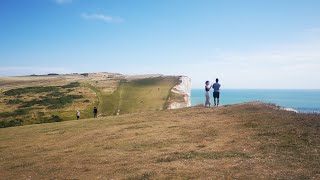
{"x":244,"y":141}
{"x":55,"y":98}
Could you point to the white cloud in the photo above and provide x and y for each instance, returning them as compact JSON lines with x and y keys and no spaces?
{"x":63,"y":1}
{"x":102,"y":17}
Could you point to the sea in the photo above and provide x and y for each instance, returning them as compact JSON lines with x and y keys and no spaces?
{"x":303,"y":101}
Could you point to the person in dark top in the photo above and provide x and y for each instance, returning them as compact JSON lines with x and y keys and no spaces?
{"x":216,"y":92}
{"x":95,"y":112}
{"x":78,"y":114}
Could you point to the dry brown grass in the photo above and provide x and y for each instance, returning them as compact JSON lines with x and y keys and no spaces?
{"x":247,"y":141}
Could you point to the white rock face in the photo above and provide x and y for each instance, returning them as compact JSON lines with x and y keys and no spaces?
{"x":184,"y":88}
{"x":289,"y":109}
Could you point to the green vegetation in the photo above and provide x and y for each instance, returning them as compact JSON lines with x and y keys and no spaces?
{"x":11,"y":123}
{"x":48,"y":97}
{"x":141,"y":95}
{"x":56,"y":94}
{"x":71,"y":85}
{"x":15,"y":113}
{"x":136,"y":96}
{"x":36,"y":89}
{"x":39,"y":89}
{"x":14,"y":101}
{"x":52,"y":103}
{"x":53,"y":118}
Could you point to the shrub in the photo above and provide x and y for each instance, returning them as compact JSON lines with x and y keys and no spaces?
{"x":41,"y":113}
{"x":35,"y":89}
{"x":71,"y":85}
{"x":39,"y":89}
{"x":56,"y":94}
{"x":17,"y":112}
{"x":53,"y":118}
{"x":52,"y":103}
{"x":14,"y":101}
{"x":17,"y":122}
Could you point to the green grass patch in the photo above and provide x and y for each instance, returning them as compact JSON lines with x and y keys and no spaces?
{"x":142,"y":95}
{"x":136,"y":96}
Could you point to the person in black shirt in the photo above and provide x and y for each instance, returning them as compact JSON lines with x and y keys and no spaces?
{"x":95,"y":112}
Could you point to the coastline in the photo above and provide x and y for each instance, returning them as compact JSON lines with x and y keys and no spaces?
{"x":299,"y":101}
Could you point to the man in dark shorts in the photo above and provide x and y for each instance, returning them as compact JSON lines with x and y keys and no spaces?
{"x":216,"y":92}
{"x":95,"y":112}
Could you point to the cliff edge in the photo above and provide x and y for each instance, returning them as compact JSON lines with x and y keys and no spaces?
{"x":183,"y":89}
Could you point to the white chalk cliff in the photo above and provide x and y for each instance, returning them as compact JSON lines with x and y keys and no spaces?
{"x":184,"y":88}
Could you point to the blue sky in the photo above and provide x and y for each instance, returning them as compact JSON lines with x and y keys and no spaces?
{"x":272,"y":44}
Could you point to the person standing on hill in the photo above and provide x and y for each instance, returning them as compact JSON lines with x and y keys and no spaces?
{"x":95,"y":112}
{"x":216,"y":92}
{"x":207,"y":89}
{"x":78,"y":114}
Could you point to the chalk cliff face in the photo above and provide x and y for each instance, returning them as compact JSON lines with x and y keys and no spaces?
{"x":184,"y":88}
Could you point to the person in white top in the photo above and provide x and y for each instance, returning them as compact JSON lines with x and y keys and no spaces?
{"x":216,"y":92}
{"x":207,"y":89}
{"x":78,"y":114}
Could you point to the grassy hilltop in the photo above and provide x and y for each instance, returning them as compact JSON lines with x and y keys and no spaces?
{"x":245,"y":141}
{"x":42,"y":99}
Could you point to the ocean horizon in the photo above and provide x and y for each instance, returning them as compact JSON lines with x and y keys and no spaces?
{"x":301,"y":100}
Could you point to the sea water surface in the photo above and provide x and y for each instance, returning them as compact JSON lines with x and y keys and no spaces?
{"x":307,"y":101}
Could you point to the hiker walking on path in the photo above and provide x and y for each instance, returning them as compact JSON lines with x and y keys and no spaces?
{"x":95,"y":112}
{"x":216,"y":92}
{"x":207,"y":89}
{"x":78,"y":114}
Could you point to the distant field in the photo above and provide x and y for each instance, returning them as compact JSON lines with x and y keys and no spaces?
{"x":29,"y":100}
{"x":246,"y":141}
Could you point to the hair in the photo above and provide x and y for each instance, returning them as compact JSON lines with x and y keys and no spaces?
{"x":217,"y":80}
{"x":207,"y":82}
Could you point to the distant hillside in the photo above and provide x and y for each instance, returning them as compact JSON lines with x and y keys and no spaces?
{"x":245,"y":141}
{"x":42,"y":99}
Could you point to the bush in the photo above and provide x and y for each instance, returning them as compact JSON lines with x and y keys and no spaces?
{"x":17,"y":112}
{"x":53,"y":103}
{"x":17,"y":122}
{"x":14,"y":101}
{"x":53,"y":118}
{"x":56,"y":94}
{"x":36,"y":89}
{"x":39,"y":89}
{"x":71,"y":85}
